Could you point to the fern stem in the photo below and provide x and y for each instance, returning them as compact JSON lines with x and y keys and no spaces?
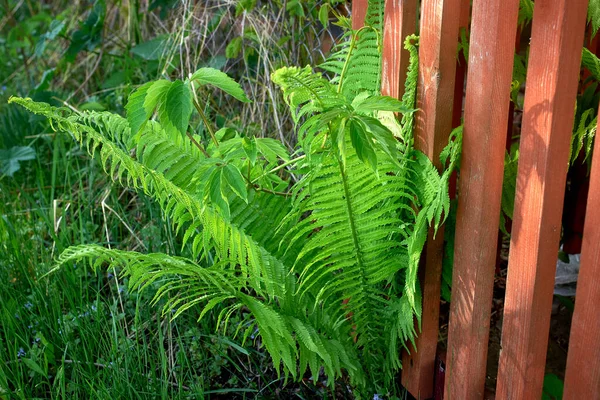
{"x":284,"y":194}
{"x":351,"y":221}
{"x":203,"y":116}
{"x":347,"y":62}
{"x":198,"y":145}
{"x":206,"y":123}
{"x":277,"y":168}
{"x":258,"y":188}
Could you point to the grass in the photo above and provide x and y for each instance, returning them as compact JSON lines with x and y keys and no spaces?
{"x":80,"y":333}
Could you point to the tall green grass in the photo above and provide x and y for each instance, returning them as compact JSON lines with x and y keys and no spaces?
{"x":79,"y":333}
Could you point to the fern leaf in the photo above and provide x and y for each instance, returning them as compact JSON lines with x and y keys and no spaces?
{"x":306,"y":90}
{"x":216,"y":78}
{"x":590,"y":61}
{"x":176,"y":110}
{"x":142,"y":102}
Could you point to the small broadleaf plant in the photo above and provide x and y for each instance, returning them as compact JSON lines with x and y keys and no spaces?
{"x":317,"y":250}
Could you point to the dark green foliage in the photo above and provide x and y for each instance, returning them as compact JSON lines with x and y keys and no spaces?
{"x":89,"y":34}
{"x":10,"y":158}
{"x":553,"y":388}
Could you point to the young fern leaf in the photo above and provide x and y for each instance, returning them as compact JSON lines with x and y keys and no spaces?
{"x":409,"y":98}
{"x":583,"y":135}
{"x":590,"y":61}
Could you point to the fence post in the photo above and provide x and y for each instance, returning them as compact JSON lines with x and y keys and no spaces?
{"x":582,"y":380}
{"x":491,"y":54}
{"x":552,"y":78}
{"x":359,"y":13}
{"x":437,"y":68}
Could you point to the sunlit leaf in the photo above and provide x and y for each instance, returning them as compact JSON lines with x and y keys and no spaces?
{"x":219,"y":79}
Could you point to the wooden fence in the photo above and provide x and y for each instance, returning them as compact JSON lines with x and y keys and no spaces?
{"x":557,"y":36}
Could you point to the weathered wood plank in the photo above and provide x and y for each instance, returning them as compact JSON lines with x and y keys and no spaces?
{"x":582,"y":380}
{"x":437,"y":68}
{"x":359,"y":12}
{"x":491,"y":54}
{"x":553,"y":74}
{"x":400,"y":20}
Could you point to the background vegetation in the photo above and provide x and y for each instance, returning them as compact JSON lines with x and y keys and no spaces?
{"x":82,"y":334}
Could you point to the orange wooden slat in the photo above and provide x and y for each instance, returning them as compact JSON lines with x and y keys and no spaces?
{"x":437,"y":68}
{"x":400,"y":20}
{"x":491,"y":54}
{"x":552,"y":78}
{"x":582,"y":380}
{"x":359,"y":12}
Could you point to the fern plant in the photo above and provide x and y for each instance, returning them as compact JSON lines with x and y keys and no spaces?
{"x":324,"y":266}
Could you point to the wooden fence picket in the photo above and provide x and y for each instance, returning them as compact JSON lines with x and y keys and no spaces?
{"x":359,"y":12}
{"x":400,"y":20}
{"x":491,"y":53}
{"x":461,"y":66}
{"x":582,"y":379}
{"x":552,"y":78}
{"x":438,"y":44}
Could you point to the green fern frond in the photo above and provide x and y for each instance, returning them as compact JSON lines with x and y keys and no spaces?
{"x":185,"y":284}
{"x":354,"y":242}
{"x":357,"y":61}
{"x":305,"y":91}
{"x":583,"y":135}
{"x":409,"y":98}
{"x":185,"y":209}
{"x":177,"y":273}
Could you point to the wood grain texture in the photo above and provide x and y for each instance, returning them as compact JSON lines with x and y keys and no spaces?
{"x":493,"y":30}
{"x":400,"y":20}
{"x":437,"y":68}
{"x":582,"y":380}
{"x":552,"y":78}
{"x":461,"y":66}
{"x":359,"y":12}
